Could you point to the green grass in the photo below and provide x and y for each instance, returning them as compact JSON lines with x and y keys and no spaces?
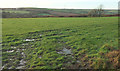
{"x":89,"y":40}
{"x":18,"y":25}
{"x":43,"y":14}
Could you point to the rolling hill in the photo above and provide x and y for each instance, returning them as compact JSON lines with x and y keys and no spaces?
{"x":40,"y":12}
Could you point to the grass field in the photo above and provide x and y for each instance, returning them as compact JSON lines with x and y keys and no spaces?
{"x":16,"y":11}
{"x":60,"y":43}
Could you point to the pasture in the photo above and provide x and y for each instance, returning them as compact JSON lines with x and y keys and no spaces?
{"x":60,"y":43}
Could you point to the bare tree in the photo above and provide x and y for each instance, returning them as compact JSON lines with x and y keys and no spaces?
{"x":100,"y":10}
{"x":97,"y":12}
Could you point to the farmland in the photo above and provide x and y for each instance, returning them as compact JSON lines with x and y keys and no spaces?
{"x":60,"y":43}
{"x":46,"y":12}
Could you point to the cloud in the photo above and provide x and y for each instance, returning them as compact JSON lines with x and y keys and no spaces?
{"x":24,"y":3}
{"x":58,"y":3}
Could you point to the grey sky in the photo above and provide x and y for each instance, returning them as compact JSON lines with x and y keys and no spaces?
{"x":74,"y":4}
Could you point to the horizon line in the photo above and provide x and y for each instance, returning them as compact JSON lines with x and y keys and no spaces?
{"x":61,"y":8}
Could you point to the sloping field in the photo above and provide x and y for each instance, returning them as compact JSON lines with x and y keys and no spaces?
{"x":39,"y":12}
{"x":60,"y":43}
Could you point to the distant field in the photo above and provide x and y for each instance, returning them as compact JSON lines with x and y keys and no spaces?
{"x":16,"y":11}
{"x":40,"y":12}
{"x":60,"y":43}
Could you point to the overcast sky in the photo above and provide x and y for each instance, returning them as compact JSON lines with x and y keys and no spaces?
{"x":71,"y":4}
